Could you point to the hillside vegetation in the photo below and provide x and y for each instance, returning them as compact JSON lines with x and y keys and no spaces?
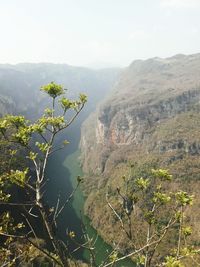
{"x":151,"y":120}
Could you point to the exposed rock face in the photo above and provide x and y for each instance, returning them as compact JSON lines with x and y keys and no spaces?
{"x":130,"y":126}
{"x":151,"y":120}
{"x":149,"y":93}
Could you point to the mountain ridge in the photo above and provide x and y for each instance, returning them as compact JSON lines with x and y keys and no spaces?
{"x":21,"y":82}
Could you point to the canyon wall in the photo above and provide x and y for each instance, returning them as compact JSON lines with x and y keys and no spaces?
{"x":152,"y":119}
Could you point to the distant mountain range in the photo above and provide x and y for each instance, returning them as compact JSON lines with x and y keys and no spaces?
{"x":20,"y":84}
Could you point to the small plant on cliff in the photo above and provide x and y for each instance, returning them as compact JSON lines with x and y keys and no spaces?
{"x":154,"y":221}
{"x":19,"y":239}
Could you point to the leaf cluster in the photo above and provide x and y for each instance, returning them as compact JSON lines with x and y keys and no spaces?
{"x":151,"y":214}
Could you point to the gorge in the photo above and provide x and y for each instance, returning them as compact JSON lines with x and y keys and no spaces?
{"x":147,"y":116}
{"x":19,"y":85}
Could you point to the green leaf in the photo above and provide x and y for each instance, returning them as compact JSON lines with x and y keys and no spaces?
{"x":142,"y":183}
{"x":161,"y":198}
{"x":162,"y":174}
{"x":83,"y":98}
{"x":53,"y":90}
{"x":65,"y":103}
{"x":187,"y":230}
{"x":184,"y":199}
{"x":173,"y":262}
{"x":42,"y":146}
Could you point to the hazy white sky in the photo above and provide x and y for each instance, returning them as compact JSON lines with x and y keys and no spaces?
{"x":83,"y":32}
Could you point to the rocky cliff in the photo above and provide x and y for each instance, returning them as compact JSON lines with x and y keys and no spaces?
{"x":149,"y":96}
{"x":152,"y":119}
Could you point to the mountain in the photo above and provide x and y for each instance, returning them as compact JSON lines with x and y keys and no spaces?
{"x":19,"y":85}
{"x":151,"y":119}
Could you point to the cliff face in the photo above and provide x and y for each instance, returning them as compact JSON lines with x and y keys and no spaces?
{"x":148,"y":94}
{"x":152,"y":119}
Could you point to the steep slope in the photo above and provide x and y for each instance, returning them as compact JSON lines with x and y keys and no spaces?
{"x":152,"y":119}
{"x":150,"y":95}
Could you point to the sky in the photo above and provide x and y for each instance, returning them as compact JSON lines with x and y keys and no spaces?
{"x":97,"y":33}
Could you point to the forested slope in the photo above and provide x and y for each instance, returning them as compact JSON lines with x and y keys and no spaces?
{"x":151,"y":120}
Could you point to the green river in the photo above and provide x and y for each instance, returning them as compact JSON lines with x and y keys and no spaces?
{"x":62,"y":171}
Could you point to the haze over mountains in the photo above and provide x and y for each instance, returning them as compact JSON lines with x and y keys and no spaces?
{"x":20,"y":84}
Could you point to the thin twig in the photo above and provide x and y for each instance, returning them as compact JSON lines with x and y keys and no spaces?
{"x":66,"y":201}
{"x":141,"y":249}
{"x":16,"y":204}
{"x":117,"y":215}
{"x":29,"y":224}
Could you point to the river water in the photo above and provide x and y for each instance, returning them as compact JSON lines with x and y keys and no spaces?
{"x":63,"y":171}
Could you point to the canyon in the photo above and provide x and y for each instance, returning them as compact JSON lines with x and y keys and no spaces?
{"x":141,"y":117}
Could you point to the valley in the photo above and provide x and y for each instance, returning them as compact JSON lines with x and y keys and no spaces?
{"x":142,"y":117}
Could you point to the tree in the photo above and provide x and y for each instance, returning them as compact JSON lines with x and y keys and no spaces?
{"x":37,"y":141}
{"x":153,"y":219}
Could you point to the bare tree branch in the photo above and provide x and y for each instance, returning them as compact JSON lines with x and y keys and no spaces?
{"x":66,"y":201}
{"x":117,"y":215}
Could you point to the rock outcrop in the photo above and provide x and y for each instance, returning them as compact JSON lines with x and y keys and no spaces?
{"x":148,"y":94}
